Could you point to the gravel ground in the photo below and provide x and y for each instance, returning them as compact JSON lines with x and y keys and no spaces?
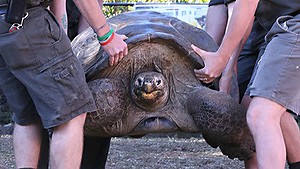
{"x":150,"y":152}
{"x":167,"y":153}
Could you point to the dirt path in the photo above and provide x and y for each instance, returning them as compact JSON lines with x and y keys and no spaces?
{"x":150,"y":152}
{"x":167,"y":153}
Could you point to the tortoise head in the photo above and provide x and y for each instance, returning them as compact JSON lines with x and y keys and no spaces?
{"x":150,"y":90}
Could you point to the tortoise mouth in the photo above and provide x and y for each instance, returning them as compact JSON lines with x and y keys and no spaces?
{"x":149,"y":96}
{"x":155,"y":125}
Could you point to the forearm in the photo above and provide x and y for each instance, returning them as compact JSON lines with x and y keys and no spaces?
{"x":58,"y":7}
{"x":238,"y":49}
{"x":230,"y":70}
{"x":242,"y":18}
{"x":82,"y":24}
{"x":92,"y":12}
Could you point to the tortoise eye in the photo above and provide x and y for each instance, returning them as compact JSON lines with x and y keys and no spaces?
{"x":139,"y":81}
{"x":158,"y":82}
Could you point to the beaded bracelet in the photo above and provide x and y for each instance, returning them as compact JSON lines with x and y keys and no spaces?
{"x":108,"y":40}
{"x":106,"y":36}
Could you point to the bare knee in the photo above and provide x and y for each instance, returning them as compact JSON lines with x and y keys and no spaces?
{"x":73,"y":124}
{"x":263,"y":113}
{"x":253,"y":118}
{"x":257,"y":115}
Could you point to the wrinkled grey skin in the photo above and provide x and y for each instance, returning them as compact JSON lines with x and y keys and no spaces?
{"x":154,"y":90}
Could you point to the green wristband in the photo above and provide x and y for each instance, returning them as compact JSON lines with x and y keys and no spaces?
{"x":104,"y":37}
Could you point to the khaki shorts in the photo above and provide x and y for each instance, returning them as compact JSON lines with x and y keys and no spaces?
{"x":40,"y":75}
{"x":277,"y":73}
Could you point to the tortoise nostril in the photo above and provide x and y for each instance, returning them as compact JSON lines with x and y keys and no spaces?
{"x":148,"y":81}
{"x":148,"y":87}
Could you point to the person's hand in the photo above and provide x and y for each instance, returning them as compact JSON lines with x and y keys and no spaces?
{"x":116,"y":49}
{"x":214,"y":65}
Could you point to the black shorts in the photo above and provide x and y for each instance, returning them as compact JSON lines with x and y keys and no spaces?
{"x":215,"y":2}
{"x":218,"y":2}
{"x":73,"y":19}
{"x":248,"y":56}
{"x":40,"y":76}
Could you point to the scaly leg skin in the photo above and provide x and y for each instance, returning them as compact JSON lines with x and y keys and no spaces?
{"x":222,"y":122}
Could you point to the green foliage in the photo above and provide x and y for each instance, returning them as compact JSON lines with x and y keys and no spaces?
{"x":110,"y":11}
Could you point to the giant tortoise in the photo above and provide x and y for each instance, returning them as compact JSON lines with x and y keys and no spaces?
{"x":154,"y":89}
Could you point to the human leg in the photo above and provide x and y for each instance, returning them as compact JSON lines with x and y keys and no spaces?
{"x":67,"y":138}
{"x":95,"y":149}
{"x":291,"y":134}
{"x":95,"y":152}
{"x":252,"y":162}
{"x":58,"y":89}
{"x":272,"y":77}
{"x":27,"y":131}
{"x":66,"y":144}
{"x":27,"y":142}
{"x":246,"y":63}
{"x":44,"y":151}
{"x":295,"y":165}
{"x":263,"y":118}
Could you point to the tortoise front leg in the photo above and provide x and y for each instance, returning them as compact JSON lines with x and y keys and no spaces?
{"x":222,"y":122}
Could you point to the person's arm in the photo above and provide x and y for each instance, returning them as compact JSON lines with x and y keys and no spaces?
{"x":92,"y":12}
{"x":228,"y":82}
{"x":58,"y":7}
{"x":82,"y":24}
{"x":215,"y":62}
{"x":242,"y":18}
{"x":216,"y":21}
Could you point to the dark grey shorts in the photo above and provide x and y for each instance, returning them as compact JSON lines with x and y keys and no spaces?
{"x":277,"y":74}
{"x":40,"y":75}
